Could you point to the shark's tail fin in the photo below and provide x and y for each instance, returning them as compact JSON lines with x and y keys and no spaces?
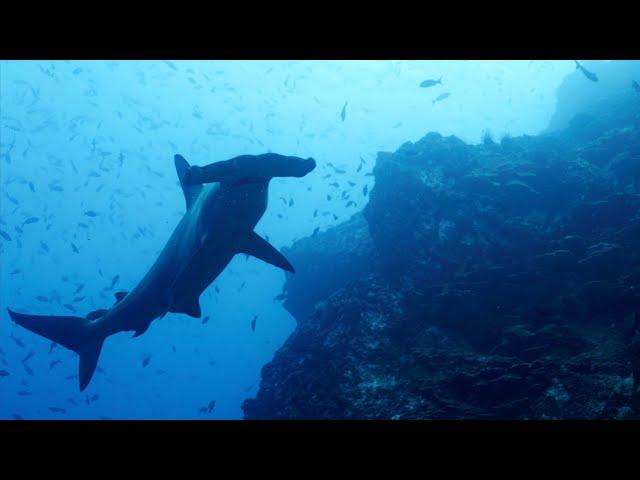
{"x":439,"y":81}
{"x":577,"y":64}
{"x":73,"y":333}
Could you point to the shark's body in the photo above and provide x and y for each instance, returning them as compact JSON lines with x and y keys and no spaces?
{"x":218,"y":224}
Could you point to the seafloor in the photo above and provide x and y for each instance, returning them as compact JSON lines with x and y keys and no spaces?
{"x":491,"y":281}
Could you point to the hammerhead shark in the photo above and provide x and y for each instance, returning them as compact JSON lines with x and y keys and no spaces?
{"x":217,"y":225}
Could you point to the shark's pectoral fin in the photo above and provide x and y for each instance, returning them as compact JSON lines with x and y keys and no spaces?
{"x":256,"y":246}
{"x":191,"y":192}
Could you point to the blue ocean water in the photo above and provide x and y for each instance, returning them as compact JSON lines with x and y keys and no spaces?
{"x":90,"y":196}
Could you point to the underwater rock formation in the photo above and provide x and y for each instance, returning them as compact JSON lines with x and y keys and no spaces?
{"x":328,"y":261}
{"x":610,"y":98}
{"x":499,"y":280}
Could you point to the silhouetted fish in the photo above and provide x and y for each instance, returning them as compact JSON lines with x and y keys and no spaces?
{"x":145,"y":361}
{"x":590,"y":75}
{"x":441,"y":97}
{"x":431,"y":83}
{"x":343,"y":114}
{"x":253,"y":323}
{"x":171,"y":65}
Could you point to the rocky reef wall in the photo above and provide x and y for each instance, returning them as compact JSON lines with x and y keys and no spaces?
{"x":499,"y":280}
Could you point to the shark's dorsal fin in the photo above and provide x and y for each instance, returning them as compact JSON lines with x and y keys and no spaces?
{"x":120,"y":296}
{"x":256,"y":246}
{"x":191,"y":192}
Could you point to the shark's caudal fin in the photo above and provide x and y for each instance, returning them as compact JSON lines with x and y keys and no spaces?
{"x":70,"y":332}
{"x":191,"y":192}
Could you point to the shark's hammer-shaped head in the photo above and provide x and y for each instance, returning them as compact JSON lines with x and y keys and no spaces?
{"x":293,"y":167}
{"x":248,"y":167}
